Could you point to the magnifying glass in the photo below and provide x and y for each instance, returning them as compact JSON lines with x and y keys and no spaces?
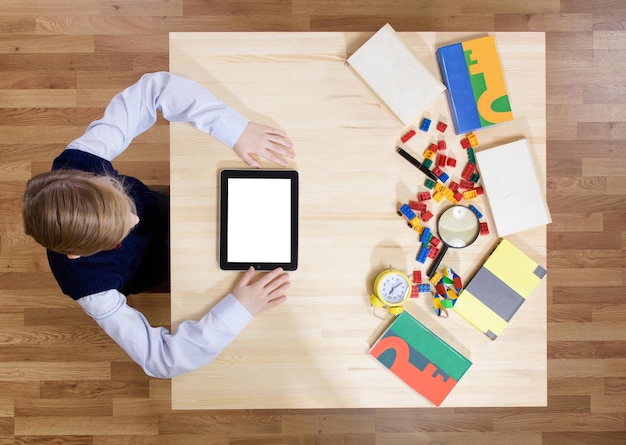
{"x":458,"y":227}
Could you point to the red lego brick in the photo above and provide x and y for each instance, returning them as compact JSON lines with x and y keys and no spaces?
{"x":423,"y":196}
{"x":441,"y":126}
{"x":417,"y":277}
{"x":484,"y":228}
{"x":467,"y":184}
{"x":415,"y":292}
{"x":442,"y":145}
{"x":426,"y":216}
{"x":417,"y":206}
{"x":441,"y":160}
{"x":408,"y":135}
{"x":451,"y":162}
{"x":465,"y":143}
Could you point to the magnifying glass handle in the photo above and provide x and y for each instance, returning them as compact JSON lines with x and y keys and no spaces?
{"x":433,"y":267}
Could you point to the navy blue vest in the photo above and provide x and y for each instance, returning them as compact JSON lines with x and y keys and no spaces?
{"x":140,"y":261}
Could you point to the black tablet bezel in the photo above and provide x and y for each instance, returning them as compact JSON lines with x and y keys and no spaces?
{"x":227,"y":174}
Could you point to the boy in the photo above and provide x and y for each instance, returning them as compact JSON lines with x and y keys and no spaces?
{"x":107,"y":235}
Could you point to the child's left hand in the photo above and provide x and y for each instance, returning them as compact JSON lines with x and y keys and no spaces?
{"x":258,"y":141}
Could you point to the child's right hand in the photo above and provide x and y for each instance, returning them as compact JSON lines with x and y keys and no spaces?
{"x":265,"y":292}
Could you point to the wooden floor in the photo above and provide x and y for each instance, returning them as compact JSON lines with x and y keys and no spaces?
{"x":62,"y":381}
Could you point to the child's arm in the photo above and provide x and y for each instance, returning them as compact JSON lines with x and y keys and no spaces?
{"x":195,"y":343}
{"x":134,"y":110}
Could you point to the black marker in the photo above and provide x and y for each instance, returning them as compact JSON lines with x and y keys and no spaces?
{"x":417,"y":164}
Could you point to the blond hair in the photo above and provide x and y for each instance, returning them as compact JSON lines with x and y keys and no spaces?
{"x":77,"y":213}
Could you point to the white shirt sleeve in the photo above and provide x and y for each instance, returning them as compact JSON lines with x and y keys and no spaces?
{"x":134,"y":110}
{"x":159,"y":352}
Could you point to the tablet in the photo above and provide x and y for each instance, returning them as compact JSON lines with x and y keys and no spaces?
{"x":258,"y":219}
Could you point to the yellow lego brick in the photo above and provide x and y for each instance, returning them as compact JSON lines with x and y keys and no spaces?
{"x":438,"y":196}
{"x":473,"y":140}
{"x":439,"y":187}
{"x":470,"y":194}
{"x":435,"y":278}
{"x":428,"y":154}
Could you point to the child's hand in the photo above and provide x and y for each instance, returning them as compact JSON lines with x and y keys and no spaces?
{"x":260,"y":141}
{"x":264,"y":293}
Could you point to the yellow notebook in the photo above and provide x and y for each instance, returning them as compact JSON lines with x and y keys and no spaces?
{"x":499,"y":288}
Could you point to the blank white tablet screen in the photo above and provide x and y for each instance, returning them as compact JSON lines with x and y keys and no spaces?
{"x":259,"y":220}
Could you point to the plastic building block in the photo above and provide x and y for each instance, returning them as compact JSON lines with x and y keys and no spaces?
{"x":430,"y":184}
{"x":470,"y":194}
{"x":484,"y":228}
{"x":436,"y":278}
{"x":425,"y":125}
{"x":442,"y":145}
{"x":408,"y":135}
{"x":475,"y":210}
{"x":424,"y":287}
{"x":412,"y":219}
{"x":451,"y":162}
{"x":422,"y":254}
{"x":439,"y":187}
{"x":473,"y":140}
{"x":427,"y":163}
{"x":433,"y":252}
{"x":406,"y":211}
{"x":417,"y":276}
{"x":437,"y":171}
{"x":466,"y":184}
{"x":475,"y":177}
{"x":465,"y":143}
{"x":434,"y":241}
{"x":426,"y":235}
{"x":415,"y":292}
{"x":444,"y":177}
{"x":441,"y":160}
{"x":468,"y":171}
{"x":471,"y":157}
{"x":454,"y":186}
{"x":417,"y":206}
{"x":423,"y":196}
{"x":438,"y":196}
{"x":429,"y":154}
{"x":441,"y":126}
{"x":480,"y":190}
{"x":426,"y":216}
{"x":433,"y":147}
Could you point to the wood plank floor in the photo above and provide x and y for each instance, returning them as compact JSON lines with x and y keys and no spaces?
{"x":62,"y":381}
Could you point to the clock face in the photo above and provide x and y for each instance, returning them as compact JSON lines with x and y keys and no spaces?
{"x":393,"y":288}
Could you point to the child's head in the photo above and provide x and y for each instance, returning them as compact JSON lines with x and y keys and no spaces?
{"x":76,"y":213}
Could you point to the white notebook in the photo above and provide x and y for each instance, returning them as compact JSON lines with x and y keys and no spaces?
{"x":516,"y":199}
{"x":395,"y":75}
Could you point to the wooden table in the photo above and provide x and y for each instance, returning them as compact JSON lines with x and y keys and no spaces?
{"x":311,"y":352}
